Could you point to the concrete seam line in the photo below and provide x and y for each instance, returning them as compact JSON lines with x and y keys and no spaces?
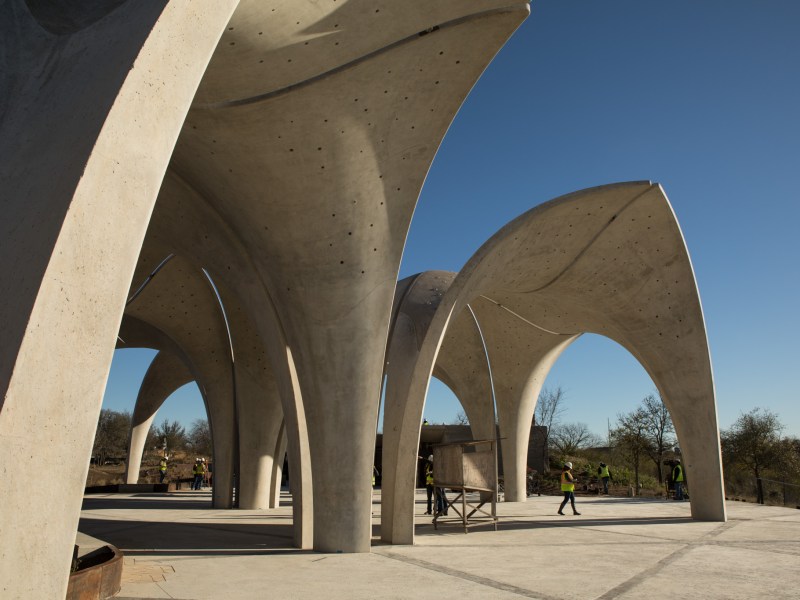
{"x":664,"y":562}
{"x":523,"y":319}
{"x":634,"y":581}
{"x":359,"y":60}
{"x":466,"y":576}
{"x":719,"y":530}
{"x":592,"y":241}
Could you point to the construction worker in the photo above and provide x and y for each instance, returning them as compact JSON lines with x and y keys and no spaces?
{"x":429,"y":483}
{"x":162,"y":469}
{"x":198,"y":470}
{"x":430,"y":488}
{"x":677,"y":479}
{"x":605,"y":476}
{"x":568,"y":487}
{"x":206,"y":474}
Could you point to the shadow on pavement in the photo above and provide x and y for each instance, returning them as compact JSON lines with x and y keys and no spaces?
{"x":163,"y":502}
{"x":510,"y":523}
{"x":191,"y":539}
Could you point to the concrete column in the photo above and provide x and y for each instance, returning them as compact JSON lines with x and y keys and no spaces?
{"x":180,"y":302}
{"x":325,"y":219}
{"x":259,"y":406}
{"x":93,"y":100}
{"x":415,"y":306}
{"x":521,"y":356}
{"x":165,"y":375}
{"x":186,"y":223}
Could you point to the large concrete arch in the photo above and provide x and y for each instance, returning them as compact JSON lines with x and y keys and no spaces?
{"x":166,"y":374}
{"x":344,"y":139}
{"x":416,"y":302}
{"x":184,"y":222}
{"x":180,"y":302}
{"x":68,"y":100}
{"x":100,"y":120}
{"x":608,"y":260}
{"x":463,"y":366}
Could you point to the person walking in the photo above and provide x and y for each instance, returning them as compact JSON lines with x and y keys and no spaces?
{"x":677,"y":479}
{"x":162,"y":470}
{"x":605,"y":476}
{"x":568,"y":487}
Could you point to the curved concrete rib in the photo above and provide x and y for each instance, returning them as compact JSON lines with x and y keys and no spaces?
{"x":463,"y":365}
{"x":88,"y":129}
{"x":258,"y":404}
{"x":181,"y":302}
{"x":166,"y":374}
{"x":102,"y":123}
{"x":184,"y":222}
{"x":317,"y":165}
{"x":417,"y":300}
{"x":608,"y":260}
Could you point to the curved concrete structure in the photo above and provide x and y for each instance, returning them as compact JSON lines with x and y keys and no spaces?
{"x":608,"y":260}
{"x":181,"y":303}
{"x":88,"y":129}
{"x":309,"y":137}
{"x":185,"y":223}
{"x":166,"y":374}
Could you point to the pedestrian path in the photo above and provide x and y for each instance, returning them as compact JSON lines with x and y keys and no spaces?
{"x":176,"y":546}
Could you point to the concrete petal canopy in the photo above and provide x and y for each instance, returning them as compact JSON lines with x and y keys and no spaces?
{"x":309,"y":132}
{"x":609,"y":260}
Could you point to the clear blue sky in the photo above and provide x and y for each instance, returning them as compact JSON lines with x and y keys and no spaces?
{"x":702,"y":97}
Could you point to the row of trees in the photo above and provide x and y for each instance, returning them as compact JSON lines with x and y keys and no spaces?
{"x":113,"y":428}
{"x":645,"y":433}
{"x":753,"y":448}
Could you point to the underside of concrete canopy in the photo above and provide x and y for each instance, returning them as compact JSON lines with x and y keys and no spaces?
{"x":166,"y":374}
{"x":608,"y":260}
{"x":297,"y":136}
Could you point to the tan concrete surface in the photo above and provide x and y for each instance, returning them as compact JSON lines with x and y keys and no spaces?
{"x":176,"y":546}
{"x":93,"y":100}
{"x":609,"y":260}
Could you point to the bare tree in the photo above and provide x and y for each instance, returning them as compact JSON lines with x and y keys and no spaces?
{"x":632,"y":438}
{"x":111,"y":437}
{"x":754,"y":442}
{"x":660,"y":430}
{"x":460,"y":419}
{"x":200,"y":438}
{"x":549,"y":409}
{"x":569,"y":438}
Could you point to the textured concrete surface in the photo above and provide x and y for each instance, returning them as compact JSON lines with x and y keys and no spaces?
{"x":609,"y":260}
{"x":165,"y":374}
{"x":94,"y":96}
{"x":619,"y":548}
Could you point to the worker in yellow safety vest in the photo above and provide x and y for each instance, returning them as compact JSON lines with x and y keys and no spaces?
{"x":429,"y":483}
{"x":568,"y":487}
{"x":162,"y":468}
{"x":198,"y":471}
{"x":605,"y":476}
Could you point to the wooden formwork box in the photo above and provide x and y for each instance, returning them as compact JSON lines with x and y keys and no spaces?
{"x":467,"y":467}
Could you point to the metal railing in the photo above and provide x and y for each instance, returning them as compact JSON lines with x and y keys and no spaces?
{"x":763,"y":491}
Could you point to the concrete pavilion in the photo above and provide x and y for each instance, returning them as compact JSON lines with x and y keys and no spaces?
{"x":257,"y":162}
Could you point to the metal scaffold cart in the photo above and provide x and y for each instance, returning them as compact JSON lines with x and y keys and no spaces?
{"x":467,"y":467}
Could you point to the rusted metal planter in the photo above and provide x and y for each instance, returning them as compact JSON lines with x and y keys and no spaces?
{"x":99,"y":575}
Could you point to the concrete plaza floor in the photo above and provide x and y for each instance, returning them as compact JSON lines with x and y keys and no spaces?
{"x":175,"y":546}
